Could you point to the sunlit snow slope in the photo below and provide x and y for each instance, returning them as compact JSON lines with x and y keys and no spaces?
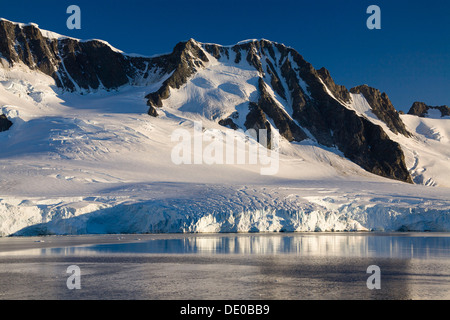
{"x":98,"y":163}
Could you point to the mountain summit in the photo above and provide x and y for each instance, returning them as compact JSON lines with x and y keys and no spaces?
{"x":298,"y":100}
{"x":290,"y":95}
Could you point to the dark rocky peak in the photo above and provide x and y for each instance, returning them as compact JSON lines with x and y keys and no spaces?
{"x":72,"y":63}
{"x":319,"y":82}
{"x":255,"y":46}
{"x":339,"y":92}
{"x":421,"y":109}
{"x":361,"y":141}
{"x":333,"y":125}
{"x":185,"y":60}
{"x":273,"y":55}
{"x":85,"y":66}
{"x":91,"y":65}
{"x":382,"y":107}
{"x":26,"y":44}
{"x":253,"y":51}
{"x":324,"y":116}
{"x":217,"y":51}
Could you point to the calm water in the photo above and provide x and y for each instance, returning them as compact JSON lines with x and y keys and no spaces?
{"x":228,"y":266}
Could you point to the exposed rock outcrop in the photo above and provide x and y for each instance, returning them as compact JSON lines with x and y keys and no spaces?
{"x":382,"y":107}
{"x":287,"y":81}
{"x":73,"y":64}
{"x":306,"y":91}
{"x":339,"y":92}
{"x":256,"y":120}
{"x":182,"y":63}
{"x":287,"y":127}
{"x":228,"y":122}
{"x":421,"y":109}
{"x":26,"y":44}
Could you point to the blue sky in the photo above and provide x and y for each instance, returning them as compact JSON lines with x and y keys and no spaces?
{"x":409,"y":58}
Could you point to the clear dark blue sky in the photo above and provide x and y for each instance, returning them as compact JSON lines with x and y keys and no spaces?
{"x":409,"y":58}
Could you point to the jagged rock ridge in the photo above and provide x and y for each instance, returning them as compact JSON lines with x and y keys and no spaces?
{"x":317,"y":102}
{"x":421,"y":109}
{"x":316,"y":111}
{"x":382,"y":107}
{"x":74,"y":65}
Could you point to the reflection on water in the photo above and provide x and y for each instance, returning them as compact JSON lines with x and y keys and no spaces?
{"x":417,"y":246}
{"x":228,"y":266}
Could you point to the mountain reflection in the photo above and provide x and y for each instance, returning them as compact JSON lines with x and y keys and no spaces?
{"x":346,"y":245}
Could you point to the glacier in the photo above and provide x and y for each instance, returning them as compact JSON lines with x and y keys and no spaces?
{"x":224,"y":209}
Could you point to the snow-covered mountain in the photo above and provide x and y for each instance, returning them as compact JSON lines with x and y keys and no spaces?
{"x":87,"y":142}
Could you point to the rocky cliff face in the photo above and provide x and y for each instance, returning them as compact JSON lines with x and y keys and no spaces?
{"x":317,"y":103}
{"x":286,"y":82}
{"x":183,"y":62}
{"x":74,"y":65}
{"x":382,"y":108}
{"x":421,"y":109}
{"x":26,"y":44}
{"x":283,"y":121}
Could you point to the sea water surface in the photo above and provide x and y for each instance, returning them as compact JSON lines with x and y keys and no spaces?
{"x":284,"y":266}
